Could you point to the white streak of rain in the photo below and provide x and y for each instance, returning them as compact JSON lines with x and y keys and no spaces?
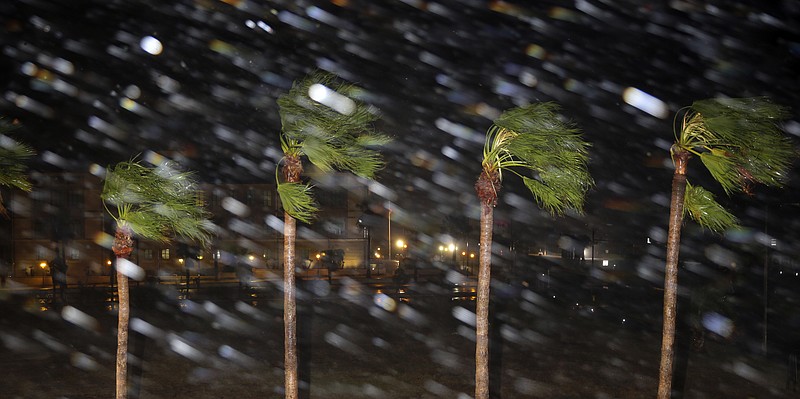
{"x":527,"y":386}
{"x":183,"y":348}
{"x":331,"y":99}
{"x":50,"y":342}
{"x":146,"y":329}
{"x":130,"y":269}
{"x":464,"y":315}
{"x":235,"y":207}
{"x":83,"y":361}
{"x":79,"y":318}
{"x":645,"y":102}
{"x":228,"y":352}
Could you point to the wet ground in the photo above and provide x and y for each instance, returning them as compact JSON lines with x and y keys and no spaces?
{"x":359,"y":341}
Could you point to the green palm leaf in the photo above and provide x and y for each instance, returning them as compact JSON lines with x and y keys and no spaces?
{"x":739,"y":140}
{"x":156,"y":203}
{"x":297,"y":201}
{"x":330,"y":138}
{"x":333,"y":130}
{"x":13,"y":158}
{"x":532,"y":139}
{"x":700,"y":205}
{"x":723,"y":168}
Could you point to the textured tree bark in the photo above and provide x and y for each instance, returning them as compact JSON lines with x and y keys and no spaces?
{"x":122,"y":248}
{"x":289,"y":308}
{"x":123,"y":317}
{"x":671,"y":276}
{"x":482,"y":311}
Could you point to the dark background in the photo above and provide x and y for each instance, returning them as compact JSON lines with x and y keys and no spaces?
{"x":437,"y":71}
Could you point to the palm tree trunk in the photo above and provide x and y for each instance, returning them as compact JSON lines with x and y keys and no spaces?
{"x":123,"y":316}
{"x":671,"y":276}
{"x":122,"y":247}
{"x":289,"y":308}
{"x":482,"y":311}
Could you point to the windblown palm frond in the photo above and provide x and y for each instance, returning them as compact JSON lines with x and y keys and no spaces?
{"x":533,"y":138}
{"x":321,"y":120}
{"x":739,"y":140}
{"x":13,"y":158}
{"x":324,"y":123}
{"x":156,"y":203}
{"x":297,"y":201}
{"x":707,"y":212}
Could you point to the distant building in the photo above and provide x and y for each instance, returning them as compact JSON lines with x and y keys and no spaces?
{"x":64,"y":216}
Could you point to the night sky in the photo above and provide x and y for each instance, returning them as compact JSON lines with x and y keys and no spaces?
{"x":80,"y":79}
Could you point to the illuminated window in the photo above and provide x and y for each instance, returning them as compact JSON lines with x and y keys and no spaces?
{"x":165,"y":254}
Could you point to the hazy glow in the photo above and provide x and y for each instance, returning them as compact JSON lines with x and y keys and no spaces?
{"x":151,"y":45}
{"x":645,"y":102}
{"x":130,"y":269}
{"x":332,"y":99}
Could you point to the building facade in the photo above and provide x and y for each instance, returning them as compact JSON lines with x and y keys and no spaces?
{"x":63,"y":216}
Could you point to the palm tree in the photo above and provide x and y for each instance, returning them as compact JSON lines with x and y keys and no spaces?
{"x":322,"y":122}
{"x":155,"y":203}
{"x":739,"y":142}
{"x":528,"y":139}
{"x":13,"y":156}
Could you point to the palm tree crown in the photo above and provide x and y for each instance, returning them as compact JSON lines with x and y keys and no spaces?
{"x":156,"y":203}
{"x":740,"y":142}
{"x":533,"y":138}
{"x":13,"y":156}
{"x":321,"y":121}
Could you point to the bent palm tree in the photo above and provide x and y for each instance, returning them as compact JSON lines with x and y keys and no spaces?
{"x":529,"y":138}
{"x":740,"y":143}
{"x":153,"y":203}
{"x":322,"y":122}
{"x":13,"y":156}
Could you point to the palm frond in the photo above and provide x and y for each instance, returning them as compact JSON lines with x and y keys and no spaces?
{"x":126,"y":183}
{"x":739,"y":140}
{"x":156,"y":202}
{"x":699,"y":203}
{"x":723,"y":169}
{"x":323,"y":154}
{"x":361,"y":161}
{"x":557,"y":190}
{"x":329,"y":138}
{"x":533,"y":138}
{"x":13,"y":159}
{"x":767,"y":159}
{"x":297,"y":201}
{"x":372,"y":140}
{"x":147,"y":224}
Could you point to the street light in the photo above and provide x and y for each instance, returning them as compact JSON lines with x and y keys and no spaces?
{"x":43,"y":265}
{"x":401,"y":246}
